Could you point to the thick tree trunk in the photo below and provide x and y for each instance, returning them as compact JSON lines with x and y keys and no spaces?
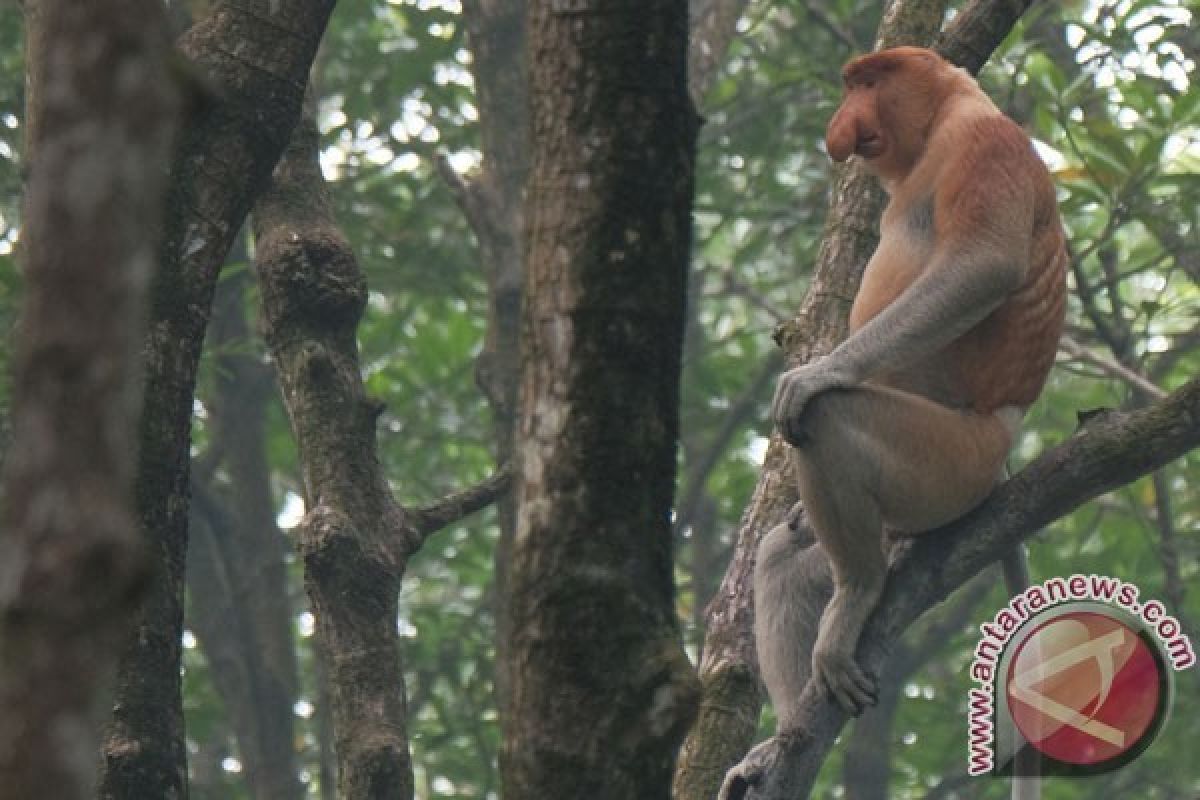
{"x":601,"y":691}
{"x":492,"y":202}
{"x":236,"y":574}
{"x":72,"y":563}
{"x":256,"y":56}
{"x":355,"y":539}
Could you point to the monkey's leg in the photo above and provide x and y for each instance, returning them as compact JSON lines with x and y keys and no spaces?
{"x":874,"y":456}
{"x":848,"y":525}
{"x":792,"y":585}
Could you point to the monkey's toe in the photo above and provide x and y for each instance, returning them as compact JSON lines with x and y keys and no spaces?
{"x":845,"y":681}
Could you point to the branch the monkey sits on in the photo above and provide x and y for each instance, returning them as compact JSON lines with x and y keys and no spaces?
{"x":907,"y":424}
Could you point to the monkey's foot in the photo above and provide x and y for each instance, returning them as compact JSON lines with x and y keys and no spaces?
{"x":845,"y":681}
{"x":774,"y":769}
{"x":742,"y":780}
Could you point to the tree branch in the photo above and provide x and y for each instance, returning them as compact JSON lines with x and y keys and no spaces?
{"x":822,"y":16}
{"x":458,"y":505}
{"x":979,"y":29}
{"x":1110,"y":367}
{"x":1110,"y":450}
{"x":224,"y":156}
{"x":355,"y":539}
{"x":467,"y":195}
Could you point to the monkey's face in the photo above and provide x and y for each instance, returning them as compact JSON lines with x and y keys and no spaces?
{"x":889,"y":103}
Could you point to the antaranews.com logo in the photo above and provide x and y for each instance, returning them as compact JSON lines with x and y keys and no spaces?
{"x":1079,"y":670}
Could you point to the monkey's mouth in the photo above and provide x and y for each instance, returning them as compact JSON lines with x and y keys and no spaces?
{"x":869,"y":146}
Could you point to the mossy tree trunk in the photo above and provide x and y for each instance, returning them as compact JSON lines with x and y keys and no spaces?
{"x":73,"y":566}
{"x":355,"y":539}
{"x":600,"y":689}
{"x":251,"y":60}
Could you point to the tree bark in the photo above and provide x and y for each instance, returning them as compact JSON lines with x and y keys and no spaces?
{"x":254,"y":57}
{"x":354,"y":539}
{"x":240,"y":606}
{"x":492,"y":202}
{"x":72,"y":563}
{"x":601,"y":689}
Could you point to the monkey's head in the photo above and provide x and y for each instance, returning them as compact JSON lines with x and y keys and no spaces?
{"x":888,"y":109}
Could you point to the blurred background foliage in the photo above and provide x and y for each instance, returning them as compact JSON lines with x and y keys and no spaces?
{"x":1108,"y":90}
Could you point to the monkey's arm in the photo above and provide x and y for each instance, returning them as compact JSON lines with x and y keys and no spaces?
{"x":940,"y":307}
{"x":981,"y":253}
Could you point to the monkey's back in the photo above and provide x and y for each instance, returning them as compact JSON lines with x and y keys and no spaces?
{"x":1004,"y":360}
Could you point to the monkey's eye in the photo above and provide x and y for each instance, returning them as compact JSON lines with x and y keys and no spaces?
{"x":869,"y":83}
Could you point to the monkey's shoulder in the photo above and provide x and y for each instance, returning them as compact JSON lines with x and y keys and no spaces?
{"x":986,"y":155}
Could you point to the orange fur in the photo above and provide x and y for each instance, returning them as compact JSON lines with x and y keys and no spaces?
{"x":907,"y":424}
{"x":982,"y":167}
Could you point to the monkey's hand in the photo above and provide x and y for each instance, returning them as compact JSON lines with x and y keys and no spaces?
{"x":797,"y":387}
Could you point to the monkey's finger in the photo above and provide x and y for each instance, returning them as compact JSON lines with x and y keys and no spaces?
{"x":846,"y":682}
{"x":846,"y":699}
{"x":855,"y":690}
{"x":831,"y":687}
{"x":794,"y":429}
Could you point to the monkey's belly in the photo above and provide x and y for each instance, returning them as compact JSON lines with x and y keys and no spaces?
{"x":935,"y":379}
{"x":895,"y":265}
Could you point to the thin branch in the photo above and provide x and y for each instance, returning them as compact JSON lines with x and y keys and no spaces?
{"x":461,"y":504}
{"x":734,"y":286}
{"x":1112,"y":368}
{"x":466,"y":194}
{"x":1168,"y":550}
{"x":821,"y":15}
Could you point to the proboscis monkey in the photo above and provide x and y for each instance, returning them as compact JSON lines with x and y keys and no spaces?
{"x":908,"y":422}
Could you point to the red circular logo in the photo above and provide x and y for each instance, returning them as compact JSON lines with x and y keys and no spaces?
{"x":1085,"y":689}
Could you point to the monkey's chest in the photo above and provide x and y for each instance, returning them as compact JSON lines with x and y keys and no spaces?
{"x":896,"y":264}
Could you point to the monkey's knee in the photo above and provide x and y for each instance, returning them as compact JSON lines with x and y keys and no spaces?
{"x":827,"y":419}
{"x":783,"y":542}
